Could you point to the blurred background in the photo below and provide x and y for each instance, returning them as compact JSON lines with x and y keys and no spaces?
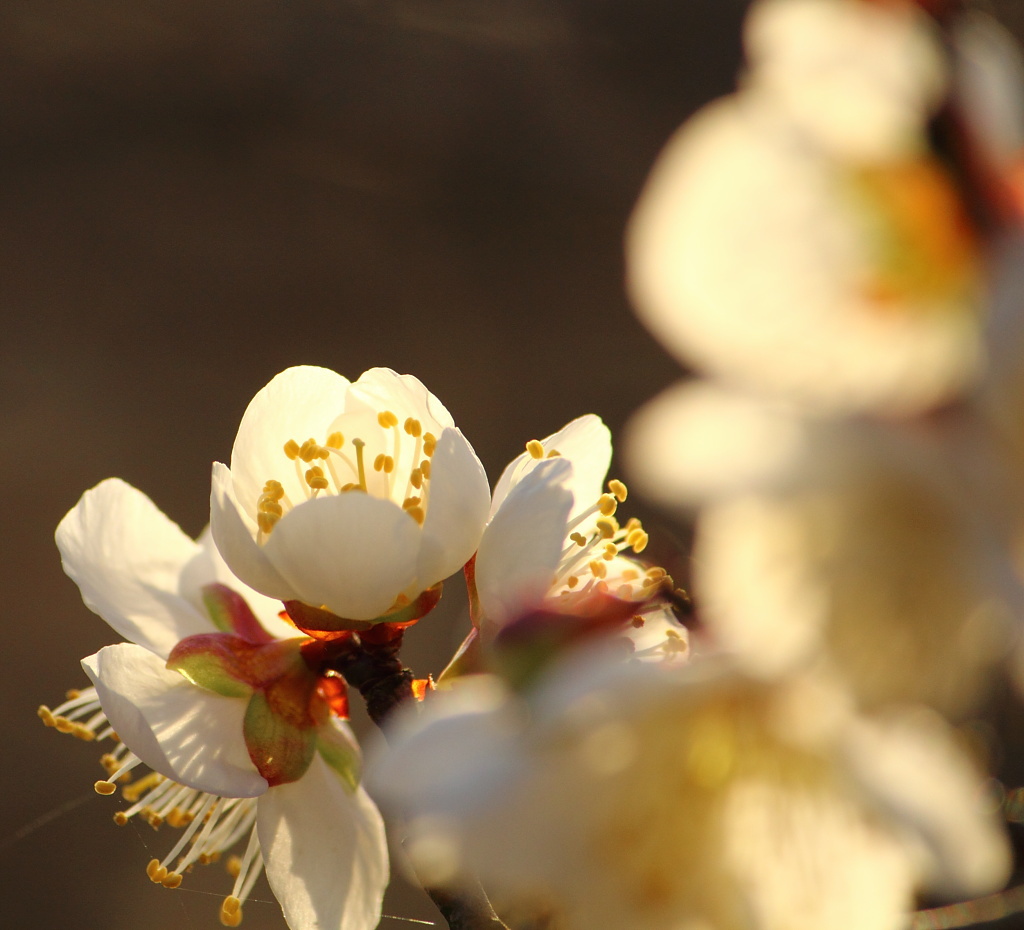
{"x":197,"y":194}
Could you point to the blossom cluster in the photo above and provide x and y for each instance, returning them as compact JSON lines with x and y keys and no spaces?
{"x":344,"y":509}
{"x":831,"y":251}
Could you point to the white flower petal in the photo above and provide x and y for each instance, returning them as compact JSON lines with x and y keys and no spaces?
{"x":860,"y":78}
{"x":236,"y":543}
{"x":352,"y":553}
{"x":298,"y":404}
{"x":909,"y":762}
{"x":183,"y":732}
{"x":325,"y":852}
{"x":697,"y":442}
{"x":522,"y":544}
{"x":459,"y":500}
{"x":208,"y":566}
{"x":404,"y":395}
{"x":586,"y":442}
{"x":125,"y":556}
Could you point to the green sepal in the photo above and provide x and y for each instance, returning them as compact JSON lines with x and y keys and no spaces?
{"x":209,"y":670}
{"x":280,"y":746}
{"x":342,"y":757}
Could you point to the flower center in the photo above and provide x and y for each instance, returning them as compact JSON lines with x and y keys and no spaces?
{"x":383,"y":458}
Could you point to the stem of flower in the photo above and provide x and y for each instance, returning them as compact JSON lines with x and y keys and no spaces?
{"x":370,"y":663}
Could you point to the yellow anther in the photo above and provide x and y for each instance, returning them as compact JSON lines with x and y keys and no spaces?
{"x":234,"y":866}
{"x":413,"y":427}
{"x":429,"y":444}
{"x":335,"y":441}
{"x":82,"y":732}
{"x":291,"y":449}
{"x":171,"y":880}
{"x":554,"y":454}
{"x":156,"y":872}
{"x":411,"y":502}
{"x":637,"y":541}
{"x":72,"y":694}
{"x":273,"y":490}
{"x":601,"y":587}
{"x":417,"y":513}
{"x":231,"y":917}
{"x":121,"y":818}
{"x":323,"y":452}
{"x":625,"y":592}
{"x":137,"y":789}
{"x":572,"y":581}
{"x":578,"y":538}
{"x":177,"y":818}
{"x":109,"y":761}
{"x":618,"y":489}
{"x":536,"y":449}
{"x":425,"y":467}
{"x":105,"y":787}
{"x":607,"y":504}
{"x":607,"y":527}
{"x":266,"y":521}
{"x":316,"y":480}
{"x":309,"y":450}
{"x":378,"y":463}
{"x":610,"y":551}
{"x":46,"y":715}
{"x":387,"y":419}
{"x":630,"y":574}
{"x":155,"y":821}
{"x":63,"y":725}
{"x":637,"y":621}
{"x":268,"y":504}
{"x":656,"y":572}
{"x":351,"y":486}
{"x":597,"y":568}
{"x":416,"y":478}
{"x":633,"y":524}
{"x":207,"y":858}
{"x":389,"y":464}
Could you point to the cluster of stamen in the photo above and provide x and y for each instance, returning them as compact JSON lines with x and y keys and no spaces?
{"x":586,"y":565}
{"x":210,"y":824}
{"x":79,"y":716}
{"x":324,"y":468}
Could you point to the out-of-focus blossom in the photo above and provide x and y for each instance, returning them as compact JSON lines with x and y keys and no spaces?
{"x":628,"y":796}
{"x":352,"y":496}
{"x":241,"y":733}
{"x":798,"y":237}
{"x":878,"y":552}
{"x":553,"y":541}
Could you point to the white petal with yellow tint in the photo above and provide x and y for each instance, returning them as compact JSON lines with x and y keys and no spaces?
{"x":298,"y":404}
{"x":862,"y":79}
{"x":236,"y":541}
{"x":759,"y":261}
{"x":404,"y":395}
{"x":522,"y":545}
{"x":910,"y":762}
{"x":457,"y":509}
{"x":325,"y":852}
{"x":352,"y":553}
{"x":585,"y":442}
{"x":697,"y":442}
{"x":126,"y":556}
{"x":185,"y":733}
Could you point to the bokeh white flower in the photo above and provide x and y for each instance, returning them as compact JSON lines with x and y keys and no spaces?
{"x":631,"y":796}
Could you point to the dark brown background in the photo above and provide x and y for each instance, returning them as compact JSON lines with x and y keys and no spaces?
{"x":196,"y":194}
